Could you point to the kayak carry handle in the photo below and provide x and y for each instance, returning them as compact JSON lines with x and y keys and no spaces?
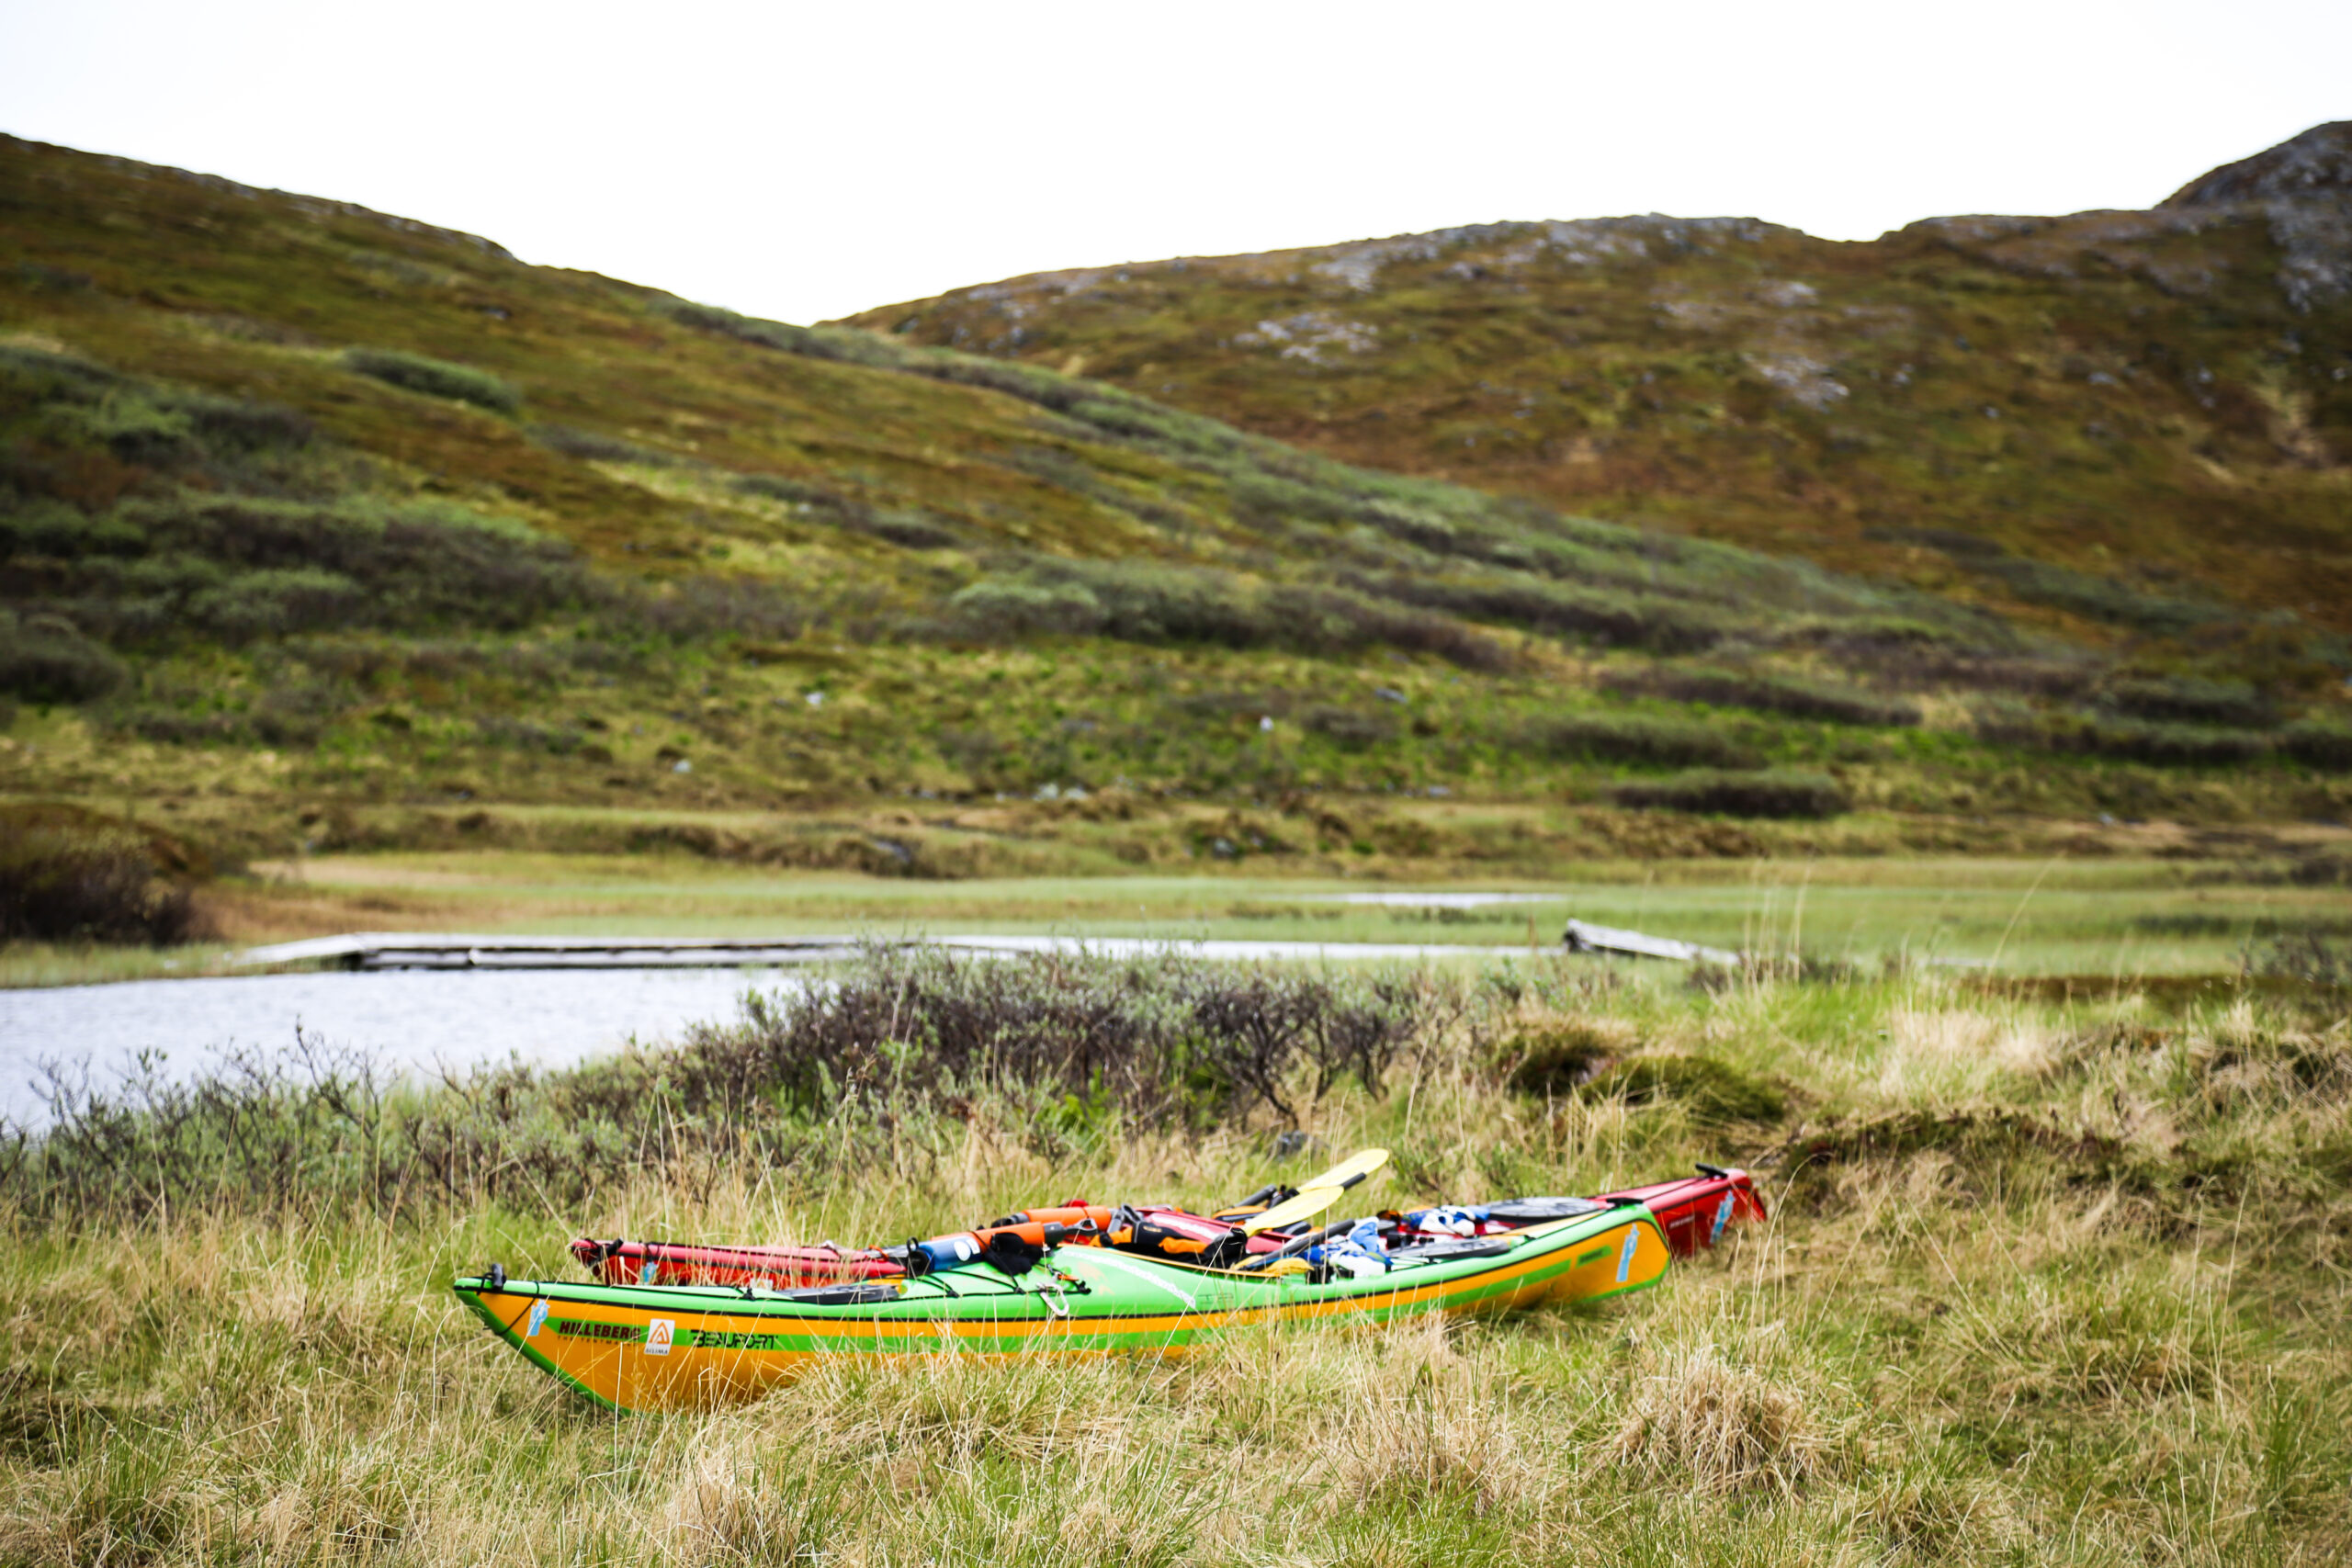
{"x":1706,"y":1170}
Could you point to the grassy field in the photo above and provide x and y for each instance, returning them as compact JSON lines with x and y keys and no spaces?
{"x":2103,"y":917}
{"x":2043,"y":1284}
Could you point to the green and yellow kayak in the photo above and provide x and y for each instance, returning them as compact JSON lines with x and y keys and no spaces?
{"x":645,"y":1347}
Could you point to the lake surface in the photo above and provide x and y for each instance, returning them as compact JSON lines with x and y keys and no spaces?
{"x":411,"y":1020}
{"x":419,"y":1019}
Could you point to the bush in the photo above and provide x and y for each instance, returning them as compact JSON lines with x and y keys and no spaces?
{"x":845,"y":343}
{"x":1771,"y":792}
{"x":2187,"y":700}
{"x":272,"y":602}
{"x":1765,"y":692}
{"x":909,"y":527}
{"x":1712,"y":1092}
{"x":2094,"y":598}
{"x":52,"y":528}
{"x":1608,"y":619}
{"x":2327,"y":747}
{"x":1331,"y":620}
{"x":998,"y":608}
{"x":1349,"y":727}
{"x":589,"y":446}
{"x":1562,"y":1060}
{"x":1638,"y":741}
{"x":248,"y":568}
{"x":2091,"y":734}
{"x":434,"y":378}
{"x":45,"y":659}
{"x":710,"y":606}
{"x":67,"y":875}
{"x":1153,"y":602}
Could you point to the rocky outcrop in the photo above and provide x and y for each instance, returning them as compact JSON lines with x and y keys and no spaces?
{"x":2304,"y":187}
{"x":2316,"y":164}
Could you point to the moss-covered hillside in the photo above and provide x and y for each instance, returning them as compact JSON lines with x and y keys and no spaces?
{"x":322,"y":526}
{"x":2129,"y":421}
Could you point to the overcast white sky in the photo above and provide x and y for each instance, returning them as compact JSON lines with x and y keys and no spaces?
{"x":803,"y":162}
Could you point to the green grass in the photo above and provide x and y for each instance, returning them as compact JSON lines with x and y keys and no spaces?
{"x":2105,"y":918}
{"x":2084,"y":1312}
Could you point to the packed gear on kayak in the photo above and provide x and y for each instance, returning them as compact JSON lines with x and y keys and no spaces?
{"x":620,"y":1262}
{"x":1692,"y":1214}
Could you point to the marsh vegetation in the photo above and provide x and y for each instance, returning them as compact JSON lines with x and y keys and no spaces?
{"x":2047,"y":1279}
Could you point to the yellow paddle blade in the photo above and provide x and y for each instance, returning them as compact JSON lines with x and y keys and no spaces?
{"x":1363,"y":1162}
{"x":1319,"y":1192}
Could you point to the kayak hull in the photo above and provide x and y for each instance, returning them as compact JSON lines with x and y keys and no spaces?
{"x":648,"y":1347}
{"x":1694,"y":1211}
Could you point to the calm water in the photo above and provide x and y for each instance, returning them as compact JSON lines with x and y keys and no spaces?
{"x":420,"y":1020}
{"x":416,"y":1020}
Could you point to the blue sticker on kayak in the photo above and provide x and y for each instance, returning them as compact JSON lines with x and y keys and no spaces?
{"x":645,"y":1274}
{"x":1722,"y":1215}
{"x":539,"y":1316}
{"x":1625,"y":1259}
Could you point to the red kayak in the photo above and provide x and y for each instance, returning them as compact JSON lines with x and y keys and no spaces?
{"x":1693,"y":1212}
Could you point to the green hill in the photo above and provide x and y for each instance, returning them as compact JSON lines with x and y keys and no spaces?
{"x":2126,"y":422}
{"x":319,"y":526}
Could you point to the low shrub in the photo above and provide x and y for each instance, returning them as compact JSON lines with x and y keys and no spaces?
{"x":710,"y":606}
{"x":1762,"y":692}
{"x":50,"y":528}
{"x":2327,"y":747}
{"x":1637,"y":740}
{"x":1712,"y":1092}
{"x":244,"y":568}
{"x":1563,"y":1059}
{"x":1154,"y":601}
{"x":1331,"y":620}
{"x":1004,"y":609}
{"x":2187,"y":700}
{"x":2095,"y":734}
{"x":1926,"y":668}
{"x":1348,"y":726}
{"x":2094,"y":598}
{"x":522,"y":735}
{"x":1766,"y":793}
{"x":844,"y":344}
{"x":68,"y":874}
{"x":1607,"y":619}
{"x":434,"y":378}
{"x":910,"y":527}
{"x":46,"y":658}
{"x":272,"y":603}
{"x":590,"y":446}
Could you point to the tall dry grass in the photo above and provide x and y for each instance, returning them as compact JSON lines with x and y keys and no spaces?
{"x":2043,"y":1284}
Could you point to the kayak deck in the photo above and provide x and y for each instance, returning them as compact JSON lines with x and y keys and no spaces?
{"x":639,"y":1348}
